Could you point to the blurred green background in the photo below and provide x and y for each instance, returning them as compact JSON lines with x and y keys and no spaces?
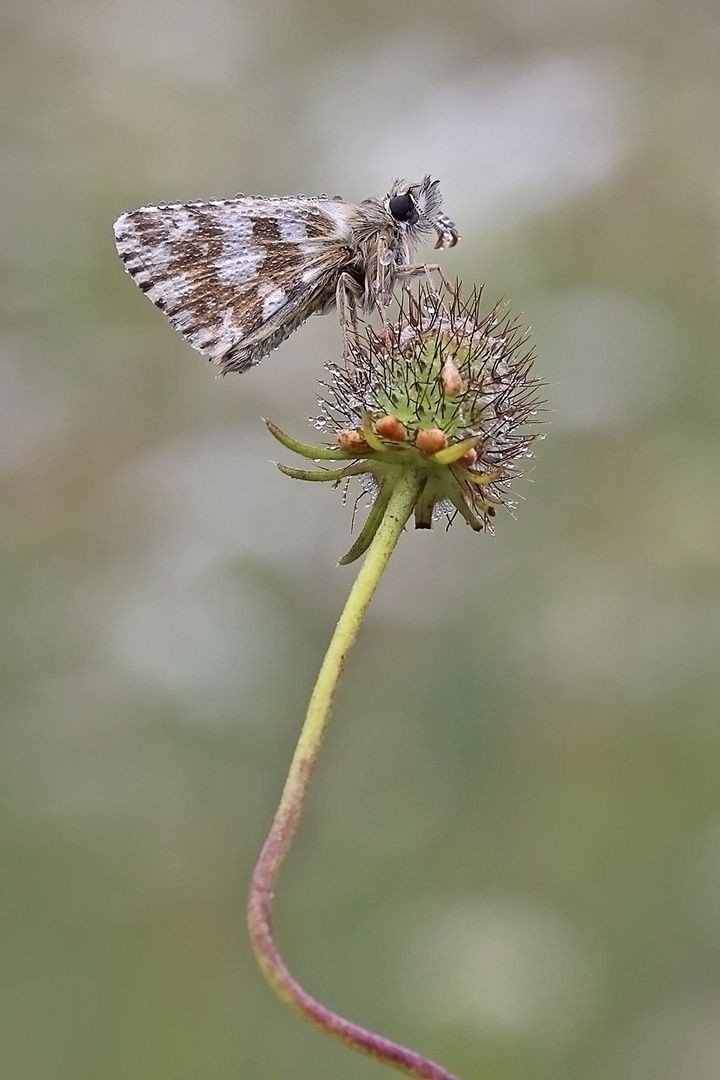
{"x":511,"y":856}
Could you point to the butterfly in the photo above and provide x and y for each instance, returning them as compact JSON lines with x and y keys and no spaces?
{"x":237,"y":276}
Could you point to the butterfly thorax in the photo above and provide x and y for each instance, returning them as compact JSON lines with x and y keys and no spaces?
{"x":381,"y":246}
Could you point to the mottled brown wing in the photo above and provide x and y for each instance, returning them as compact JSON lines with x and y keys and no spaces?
{"x":236,"y":276}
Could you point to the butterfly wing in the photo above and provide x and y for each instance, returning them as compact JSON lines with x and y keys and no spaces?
{"x":237,"y":276}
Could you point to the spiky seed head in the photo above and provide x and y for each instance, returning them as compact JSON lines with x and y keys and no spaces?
{"x":446,"y":391}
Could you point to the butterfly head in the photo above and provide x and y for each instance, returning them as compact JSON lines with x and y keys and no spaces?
{"x":417,"y":207}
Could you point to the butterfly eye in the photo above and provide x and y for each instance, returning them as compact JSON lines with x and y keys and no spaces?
{"x":402,"y":208}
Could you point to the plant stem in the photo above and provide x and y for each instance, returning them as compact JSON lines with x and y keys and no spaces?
{"x":287,"y":816}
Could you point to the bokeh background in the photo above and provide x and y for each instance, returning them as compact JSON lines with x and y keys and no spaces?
{"x":511,"y":856}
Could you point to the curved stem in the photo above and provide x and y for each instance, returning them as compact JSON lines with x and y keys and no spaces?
{"x":287,"y":816}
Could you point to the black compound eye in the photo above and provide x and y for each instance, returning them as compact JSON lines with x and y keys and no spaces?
{"x":402,"y":208}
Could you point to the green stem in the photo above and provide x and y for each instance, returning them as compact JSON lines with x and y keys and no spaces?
{"x":287,"y":815}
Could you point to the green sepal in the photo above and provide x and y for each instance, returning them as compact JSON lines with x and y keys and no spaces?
{"x":315,"y":453}
{"x":370,"y":435}
{"x":370,"y":527}
{"x":424,"y":506}
{"x":464,"y":510}
{"x":320,"y":475}
{"x":482,"y":479}
{"x":453,"y":453}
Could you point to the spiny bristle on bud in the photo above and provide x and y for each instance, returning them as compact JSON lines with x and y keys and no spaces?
{"x":443,"y":391}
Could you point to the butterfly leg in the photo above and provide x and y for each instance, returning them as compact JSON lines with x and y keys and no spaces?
{"x":426,"y":270}
{"x":348,"y":295}
{"x":406,"y":273}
